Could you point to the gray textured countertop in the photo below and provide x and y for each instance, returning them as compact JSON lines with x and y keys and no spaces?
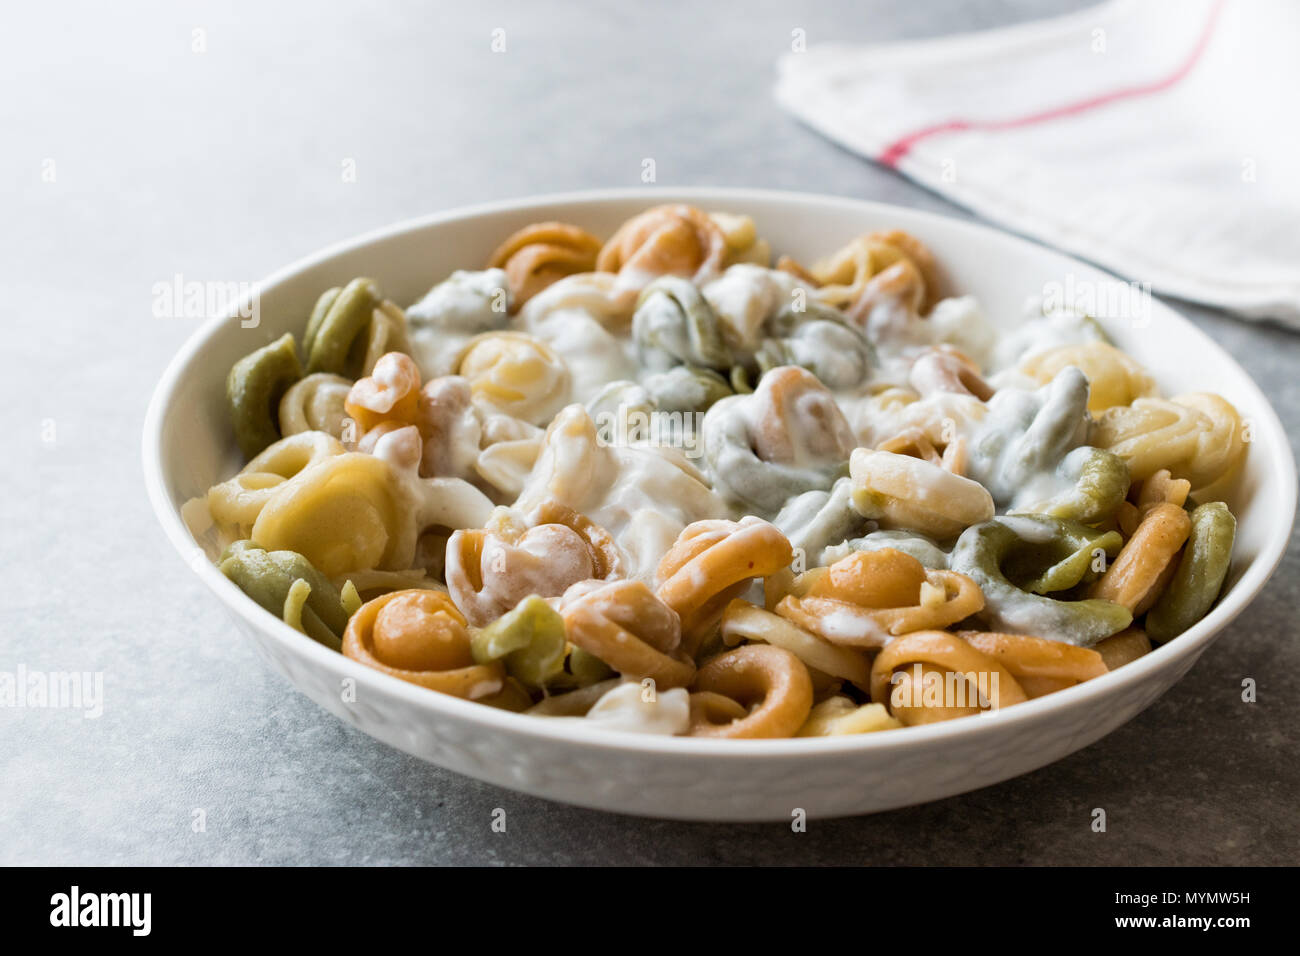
{"x":226,"y":164}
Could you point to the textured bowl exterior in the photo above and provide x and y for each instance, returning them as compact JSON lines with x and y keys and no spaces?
{"x":187,"y":446}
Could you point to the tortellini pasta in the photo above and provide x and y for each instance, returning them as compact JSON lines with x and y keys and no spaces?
{"x":1113,"y":378}
{"x":713,"y":561}
{"x":1007,"y":669}
{"x":835,"y":352}
{"x":1199,"y":574}
{"x":875,"y":266}
{"x":1198,"y":437}
{"x":674,"y":240}
{"x":463,"y":305}
{"x":351,"y":327}
{"x":235,"y":504}
{"x":646,"y":483}
{"x":254,"y":388}
{"x":542,"y":254}
{"x":757,"y":690}
{"x":529,"y":639}
{"x":286,"y":584}
{"x":490,"y":570}
{"x":595,"y":295}
{"x":1018,"y":563}
{"x":900,"y":491}
{"x":315,"y":403}
{"x":1096,"y":482}
{"x":746,"y":299}
{"x":515,"y":374}
{"x":766,"y":318}
{"x":625,"y":625}
{"x":357,"y":511}
{"x":785,"y":438}
{"x":870,"y":597}
{"x":420,"y":637}
{"x":1026,"y":435}
{"x":675,"y":325}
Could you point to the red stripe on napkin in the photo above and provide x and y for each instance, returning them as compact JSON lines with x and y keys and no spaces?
{"x":900,"y":147}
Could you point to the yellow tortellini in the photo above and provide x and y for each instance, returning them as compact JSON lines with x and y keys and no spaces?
{"x":235,"y":504}
{"x":1199,"y":437}
{"x":899,"y":491}
{"x":515,"y":374}
{"x":1114,"y":378}
{"x":743,"y":241}
{"x":357,"y":511}
{"x":343,"y":514}
{"x":315,"y":403}
{"x":838,"y":715}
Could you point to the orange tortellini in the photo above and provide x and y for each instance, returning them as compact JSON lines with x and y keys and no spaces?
{"x":676,"y":240}
{"x":541,"y":254}
{"x":490,"y":570}
{"x":876,"y":267}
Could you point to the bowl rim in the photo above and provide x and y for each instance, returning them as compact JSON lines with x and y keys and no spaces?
{"x":1190,"y":644}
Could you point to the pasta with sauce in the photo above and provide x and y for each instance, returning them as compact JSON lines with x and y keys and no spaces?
{"x":648,"y":482}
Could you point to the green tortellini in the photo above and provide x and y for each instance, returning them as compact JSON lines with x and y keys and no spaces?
{"x":1049,"y":331}
{"x":1026,"y":435}
{"x":619,"y":400}
{"x":817,"y":520}
{"x":835,"y":352}
{"x":788,"y":318}
{"x":1018,"y":561}
{"x":1029,"y":452}
{"x":909,"y":542}
{"x":1199,"y":576}
{"x":674,"y":325}
{"x":338,"y":324}
{"x":666,"y":406}
{"x":529,"y":640}
{"x":276,"y":581}
{"x":787,"y":437}
{"x":254,"y":387}
{"x":584,"y":669}
{"x":465,"y":303}
{"x":686,"y":388}
{"x":1097,"y":482}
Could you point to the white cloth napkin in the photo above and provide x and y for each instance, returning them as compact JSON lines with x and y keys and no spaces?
{"x":1157,"y":138}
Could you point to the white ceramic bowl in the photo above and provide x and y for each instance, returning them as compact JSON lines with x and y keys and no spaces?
{"x":188,"y":446}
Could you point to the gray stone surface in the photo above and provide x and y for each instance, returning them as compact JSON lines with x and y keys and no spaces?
{"x":224,"y":165}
